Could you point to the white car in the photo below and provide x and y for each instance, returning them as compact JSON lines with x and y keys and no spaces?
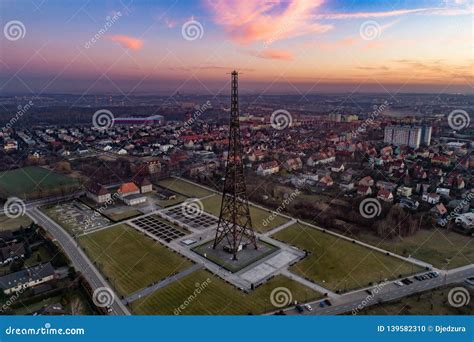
{"x":398,"y":283}
{"x":308,"y":307}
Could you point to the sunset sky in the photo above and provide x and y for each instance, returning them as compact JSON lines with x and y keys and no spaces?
{"x":300,"y":46}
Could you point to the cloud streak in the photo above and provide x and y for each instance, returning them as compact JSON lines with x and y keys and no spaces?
{"x":127,"y":42}
{"x":247,"y":22}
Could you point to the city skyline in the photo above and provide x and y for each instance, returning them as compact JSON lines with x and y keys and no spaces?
{"x":295,"y":47}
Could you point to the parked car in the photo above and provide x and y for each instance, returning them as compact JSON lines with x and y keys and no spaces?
{"x":398,"y":283}
{"x":308,"y":307}
{"x":325,"y":303}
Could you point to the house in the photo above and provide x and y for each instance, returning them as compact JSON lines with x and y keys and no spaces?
{"x":293,"y":164}
{"x":348,"y":175}
{"x":431,"y":198}
{"x":363,"y":190}
{"x":98,"y":193}
{"x":346,"y":186}
{"x":257,"y":155}
{"x":338,"y":168}
{"x":127,"y":189}
{"x":440,"y":209}
{"x":440,"y":160}
{"x":385,"y":195}
{"x":326,"y":181}
{"x":465,"y":220}
{"x":443,"y":192}
{"x":129,"y":193}
{"x":29,"y":277}
{"x":268,"y":168}
{"x":321,"y":158}
{"x":144,"y":185}
{"x":11,"y":252}
{"x":404,"y":191}
{"x":366,"y":181}
{"x":386,"y":185}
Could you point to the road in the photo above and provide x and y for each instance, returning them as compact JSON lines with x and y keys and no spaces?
{"x":79,"y":260}
{"x":386,"y":292}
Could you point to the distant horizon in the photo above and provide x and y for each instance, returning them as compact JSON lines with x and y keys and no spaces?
{"x":293,"y":46}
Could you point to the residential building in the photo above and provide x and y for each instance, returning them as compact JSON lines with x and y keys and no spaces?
{"x":98,"y":193}
{"x":268,"y":168}
{"x":403,"y":135}
{"x":29,"y":277}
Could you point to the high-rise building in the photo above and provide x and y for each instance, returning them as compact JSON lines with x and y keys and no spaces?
{"x":404,"y":135}
{"x":336,"y":117}
{"x":426,"y":135}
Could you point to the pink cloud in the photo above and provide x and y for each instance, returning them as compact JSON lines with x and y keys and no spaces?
{"x":269,"y":21}
{"x":127,"y":41}
{"x":274,"y":54}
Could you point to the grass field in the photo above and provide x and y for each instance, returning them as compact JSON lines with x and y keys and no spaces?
{"x":115,"y":215}
{"x":437,"y":247}
{"x":7,"y":223}
{"x":129,"y":259}
{"x":185,"y":188}
{"x":339,"y":264}
{"x":434,"y":302}
{"x":171,"y":202}
{"x":217,"y":298}
{"x":32,"y":179}
{"x":258,"y":215}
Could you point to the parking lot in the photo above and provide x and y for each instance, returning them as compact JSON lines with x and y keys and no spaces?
{"x":199,"y":221}
{"x":159,"y":228}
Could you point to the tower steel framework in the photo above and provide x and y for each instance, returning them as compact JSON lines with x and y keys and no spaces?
{"x":235,"y":225}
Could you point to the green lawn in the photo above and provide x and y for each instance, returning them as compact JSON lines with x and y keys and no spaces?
{"x":338,"y":264}
{"x":437,"y":247}
{"x":129,"y":259}
{"x":260,"y":217}
{"x":184,"y":188}
{"x":33,"y":180}
{"x":7,"y":223}
{"x":171,"y":202}
{"x":116,"y":215}
{"x":217,"y":298}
